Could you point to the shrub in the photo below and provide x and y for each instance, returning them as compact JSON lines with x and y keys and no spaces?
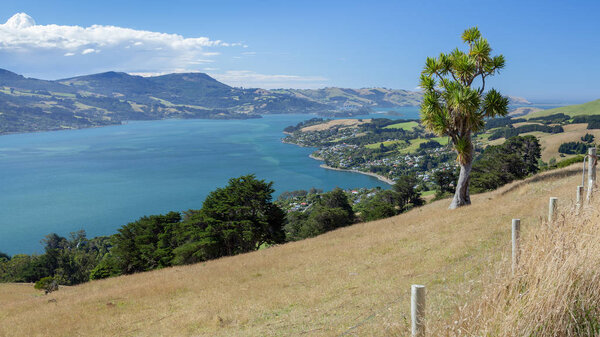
{"x":573,"y":148}
{"x":588,"y":138}
{"x":107,"y":267}
{"x":47,"y":284}
{"x":431,"y":144}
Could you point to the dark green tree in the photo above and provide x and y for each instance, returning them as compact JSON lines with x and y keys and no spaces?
{"x":377,"y":209}
{"x":295,"y":226}
{"x":455,"y":102}
{"x":137,"y":244}
{"x":337,"y":199}
{"x":330,"y":211}
{"x":407,"y":193}
{"x":238,"y":218}
{"x":107,"y":267}
{"x":500,"y":164}
{"x":588,"y":138}
{"x":445,"y":180}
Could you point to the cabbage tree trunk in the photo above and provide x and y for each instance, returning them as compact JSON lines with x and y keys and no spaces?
{"x":461,"y":196}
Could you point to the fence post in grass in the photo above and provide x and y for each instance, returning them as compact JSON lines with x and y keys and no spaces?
{"x":592,"y":160}
{"x":552,"y":209}
{"x":579,"y":199}
{"x":417,"y":310}
{"x":516,"y":244}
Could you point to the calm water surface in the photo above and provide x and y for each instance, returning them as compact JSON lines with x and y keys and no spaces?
{"x":100,"y":179}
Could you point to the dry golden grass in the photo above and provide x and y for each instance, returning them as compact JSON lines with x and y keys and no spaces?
{"x":573,"y":133}
{"x":516,"y":125}
{"x":355,"y":280}
{"x":15,"y":292}
{"x":550,"y":142}
{"x":346,"y":123}
{"x":554,"y":292}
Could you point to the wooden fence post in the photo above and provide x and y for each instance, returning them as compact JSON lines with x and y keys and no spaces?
{"x":579,"y":199}
{"x":516,"y":245}
{"x":591,"y":172}
{"x":552,"y":209}
{"x":417,"y":310}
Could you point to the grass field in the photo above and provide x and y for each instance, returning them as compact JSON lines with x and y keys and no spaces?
{"x":408,"y":126}
{"x":589,"y":108}
{"x":347,"y":123}
{"x":414,"y":144}
{"x":551,"y":141}
{"x":355,"y":280}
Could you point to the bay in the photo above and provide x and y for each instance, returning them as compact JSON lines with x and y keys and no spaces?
{"x":100,"y":179}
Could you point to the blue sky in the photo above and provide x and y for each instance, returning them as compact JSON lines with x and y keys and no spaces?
{"x":552,"y":47}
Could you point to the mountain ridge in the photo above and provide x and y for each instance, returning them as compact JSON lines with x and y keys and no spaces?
{"x":108,"y":98}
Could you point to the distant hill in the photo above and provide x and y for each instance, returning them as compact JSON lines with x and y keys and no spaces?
{"x":589,"y":108}
{"x":29,"y":104}
{"x":514,"y":100}
{"x":352,"y":98}
{"x":345,"y":98}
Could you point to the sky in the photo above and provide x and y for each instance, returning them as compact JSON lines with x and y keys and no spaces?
{"x":552,"y":48}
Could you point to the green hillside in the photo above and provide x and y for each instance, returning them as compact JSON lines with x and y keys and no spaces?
{"x":589,"y":108}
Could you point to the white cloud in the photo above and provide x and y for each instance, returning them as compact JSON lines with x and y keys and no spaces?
{"x":21,"y":31}
{"x":250,"y":79}
{"x":29,"y":45}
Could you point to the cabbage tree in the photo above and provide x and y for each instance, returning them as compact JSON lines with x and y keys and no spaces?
{"x":455,"y":102}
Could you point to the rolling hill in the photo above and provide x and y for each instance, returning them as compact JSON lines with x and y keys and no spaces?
{"x":354,"y":281}
{"x":352,"y":98}
{"x":28,"y":104}
{"x":589,"y":108}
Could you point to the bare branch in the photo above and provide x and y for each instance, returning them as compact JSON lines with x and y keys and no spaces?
{"x":483,"y":84}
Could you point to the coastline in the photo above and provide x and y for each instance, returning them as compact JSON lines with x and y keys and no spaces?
{"x":374,"y":175}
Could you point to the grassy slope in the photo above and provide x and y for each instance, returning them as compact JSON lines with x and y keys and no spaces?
{"x":414,"y":144}
{"x":589,"y":108}
{"x":408,"y":126}
{"x":550,"y":142}
{"x":319,"y":287}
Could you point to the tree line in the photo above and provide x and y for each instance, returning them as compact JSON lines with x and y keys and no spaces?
{"x":518,"y":158}
{"x":242,"y":217}
{"x":238,"y":218}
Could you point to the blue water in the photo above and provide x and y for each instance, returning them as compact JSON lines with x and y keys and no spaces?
{"x":100,"y":179}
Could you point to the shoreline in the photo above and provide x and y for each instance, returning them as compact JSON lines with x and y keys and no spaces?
{"x":371,"y":174}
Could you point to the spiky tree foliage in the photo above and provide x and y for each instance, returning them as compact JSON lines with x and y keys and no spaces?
{"x":455,"y":103}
